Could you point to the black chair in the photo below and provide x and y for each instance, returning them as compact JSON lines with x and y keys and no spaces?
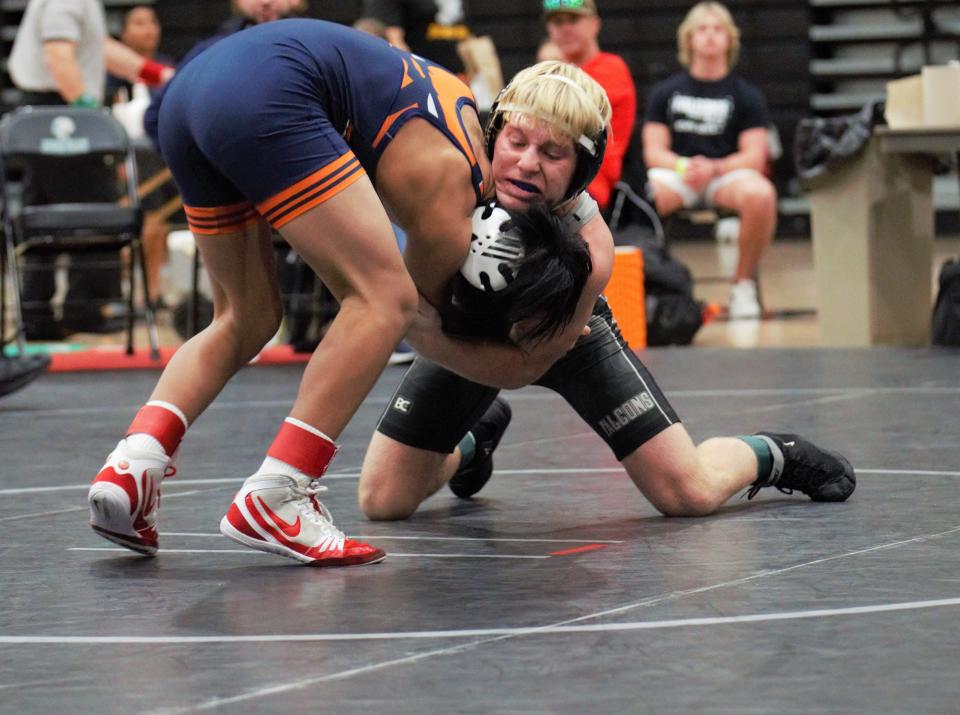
{"x":31,"y":136}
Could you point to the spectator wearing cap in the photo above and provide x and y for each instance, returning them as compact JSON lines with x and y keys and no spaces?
{"x":573,"y":27}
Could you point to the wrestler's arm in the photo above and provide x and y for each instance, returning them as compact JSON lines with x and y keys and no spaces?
{"x":513,"y":366}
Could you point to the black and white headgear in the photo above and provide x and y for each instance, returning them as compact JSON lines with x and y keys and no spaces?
{"x":495,"y":249}
{"x":589,"y":151}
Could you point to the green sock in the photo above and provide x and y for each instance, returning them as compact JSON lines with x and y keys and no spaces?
{"x":764,"y":454}
{"x":468,"y":447}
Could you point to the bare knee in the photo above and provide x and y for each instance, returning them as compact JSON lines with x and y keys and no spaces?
{"x":380,"y":504}
{"x":687,"y":501}
{"x":683,"y":494}
{"x":666,"y":201}
{"x":759,"y":199}
{"x":247,"y":331}
{"x":393,"y":305}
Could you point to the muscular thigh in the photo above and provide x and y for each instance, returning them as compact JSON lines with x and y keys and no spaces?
{"x":611,"y":389}
{"x":433,"y":408}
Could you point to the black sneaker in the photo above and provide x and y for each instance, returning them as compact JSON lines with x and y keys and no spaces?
{"x":470,"y":478}
{"x":821,"y":474}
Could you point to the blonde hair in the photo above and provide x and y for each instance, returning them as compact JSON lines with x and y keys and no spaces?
{"x":559,"y":94}
{"x":694,"y":17}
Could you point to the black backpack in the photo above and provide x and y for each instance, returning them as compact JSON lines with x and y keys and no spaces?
{"x":673,"y":316}
{"x":945,"y":326}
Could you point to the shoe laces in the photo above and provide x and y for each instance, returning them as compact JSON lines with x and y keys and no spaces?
{"x":756,"y":487}
{"x":314,"y":510}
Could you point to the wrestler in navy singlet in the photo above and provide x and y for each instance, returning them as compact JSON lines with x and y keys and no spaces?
{"x":278,"y":118}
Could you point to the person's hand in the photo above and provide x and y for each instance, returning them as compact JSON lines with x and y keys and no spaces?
{"x":700,"y":171}
{"x":166,"y":74}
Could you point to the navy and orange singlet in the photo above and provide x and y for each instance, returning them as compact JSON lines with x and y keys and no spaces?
{"x":278,"y":118}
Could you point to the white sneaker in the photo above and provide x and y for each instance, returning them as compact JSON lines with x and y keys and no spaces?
{"x":125,"y":497}
{"x":282,"y":515}
{"x":743,"y":301}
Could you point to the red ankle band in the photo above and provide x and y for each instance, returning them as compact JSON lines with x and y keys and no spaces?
{"x":300,"y":448}
{"x":161,"y":424}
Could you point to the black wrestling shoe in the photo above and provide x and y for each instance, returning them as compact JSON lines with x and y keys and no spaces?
{"x":821,"y":474}
{"x":470,"y":478}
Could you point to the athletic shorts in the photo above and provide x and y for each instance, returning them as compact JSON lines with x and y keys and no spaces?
{"x":601,"y":378}
{"x":694,"y":199}
{"x":245,"y":145}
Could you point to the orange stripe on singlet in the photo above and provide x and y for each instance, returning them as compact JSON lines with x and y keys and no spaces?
{"x":407,"y":79}
{"x":449,"y":91}
{"x":389,"y":121}
{"x":270,"y":204}
{"x":325,"y":186}
{"x":309,"y":202}
{"x":217,"y":220}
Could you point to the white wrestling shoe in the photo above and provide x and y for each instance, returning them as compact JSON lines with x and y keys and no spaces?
{"x":125,"y":497}
{"x":282,"y":515}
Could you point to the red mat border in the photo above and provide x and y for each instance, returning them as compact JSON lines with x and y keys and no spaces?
{"x":115,"y":358}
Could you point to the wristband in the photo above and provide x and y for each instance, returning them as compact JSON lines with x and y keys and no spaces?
{"x":85,"y":100}
{"x":151,"y":72}
{"x":681,"y":166}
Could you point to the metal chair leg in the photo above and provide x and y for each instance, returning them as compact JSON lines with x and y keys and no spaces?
{"x":20,"y":330}
{"x":132,"y":288}
{"x":149,"y":311}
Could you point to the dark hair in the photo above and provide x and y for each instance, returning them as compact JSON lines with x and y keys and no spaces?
{"x":549,"y":278}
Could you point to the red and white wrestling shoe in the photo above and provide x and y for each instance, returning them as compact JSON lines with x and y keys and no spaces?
{"x":125,"y":497}
{"x":282,"y":515}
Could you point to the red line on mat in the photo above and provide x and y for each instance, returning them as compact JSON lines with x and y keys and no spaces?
{"x":114,"y":358}
{"x":578,"y":549}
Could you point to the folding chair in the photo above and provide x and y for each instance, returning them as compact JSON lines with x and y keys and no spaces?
{"x":31,"y":135}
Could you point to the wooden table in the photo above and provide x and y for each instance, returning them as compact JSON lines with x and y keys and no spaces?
{"x":873,"y":229}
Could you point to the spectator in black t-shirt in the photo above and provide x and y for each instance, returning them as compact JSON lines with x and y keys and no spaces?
{"x":705,"y":142}
{"x":429,"y":28}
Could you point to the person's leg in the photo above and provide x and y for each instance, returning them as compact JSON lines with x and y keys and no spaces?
{"x":668,"y":191}
{"x":612,"y":390}
{"x":609,"y":386}
{"x":420,"y":440}
{"x":348,"y":241}
{"x":681,"y":479}
{"x":124,"y":497}
{"x":753,"y":197}
{"x":246,"y":314}
{"x":396,"y":478}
